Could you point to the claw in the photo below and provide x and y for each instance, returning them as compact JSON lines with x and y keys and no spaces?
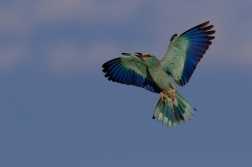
{"x":162,"y":96}
{"x":171,"y":94}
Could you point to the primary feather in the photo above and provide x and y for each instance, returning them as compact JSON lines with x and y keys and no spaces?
{"x":185,"y":51}
{"x":129,"y":70}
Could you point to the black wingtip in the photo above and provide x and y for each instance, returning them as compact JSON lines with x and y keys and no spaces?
{"x":200,"y":26}
{"x":153,"y":117}
{"x":173,"y":37}
{"x":126,"y":54}
{"x":204,"y":24}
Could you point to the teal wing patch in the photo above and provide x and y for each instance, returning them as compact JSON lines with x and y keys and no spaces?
{"x":185,"y":51}
{"x":129,"y":70}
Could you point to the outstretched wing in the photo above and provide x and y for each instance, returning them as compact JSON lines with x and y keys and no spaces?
{"x":185,"y":51}
{"x":129,"y":70}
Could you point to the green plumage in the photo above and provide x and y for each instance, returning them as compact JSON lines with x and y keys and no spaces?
{"x":146,"y":71}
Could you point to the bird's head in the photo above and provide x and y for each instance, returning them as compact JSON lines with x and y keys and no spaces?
{"x":148,"y":59}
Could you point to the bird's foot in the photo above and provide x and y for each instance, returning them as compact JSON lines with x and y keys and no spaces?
{"x":171,"y":93}
{"x":162,"y":96}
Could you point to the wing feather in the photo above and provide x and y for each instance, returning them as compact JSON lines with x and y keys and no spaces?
{"x":129,"y":70}
{"x":185,"y":51}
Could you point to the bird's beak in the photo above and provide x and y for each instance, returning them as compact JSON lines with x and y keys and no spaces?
{"x":139,"y":55}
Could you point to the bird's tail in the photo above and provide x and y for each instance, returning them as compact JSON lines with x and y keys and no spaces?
{"x":171,"y":110}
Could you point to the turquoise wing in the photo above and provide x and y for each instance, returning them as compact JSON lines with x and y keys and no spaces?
{"x":185,"y":51}
{"x":129,"y":70}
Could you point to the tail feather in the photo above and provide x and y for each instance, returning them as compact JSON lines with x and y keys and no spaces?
{"x":173,"y":111}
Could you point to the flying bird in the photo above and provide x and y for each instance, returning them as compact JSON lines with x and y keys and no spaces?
{"x":145,"y":70}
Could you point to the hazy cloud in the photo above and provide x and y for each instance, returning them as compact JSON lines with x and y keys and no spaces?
{"x":87,"y":10}
{"x":27,"y":20}
{"x":67,"y":57}
{"x":11,"y":55}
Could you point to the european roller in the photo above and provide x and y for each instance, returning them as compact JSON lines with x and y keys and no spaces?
{"x":145,"y":70}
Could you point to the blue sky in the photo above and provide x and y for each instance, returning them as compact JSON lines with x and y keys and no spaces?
{"x":57,"y":109}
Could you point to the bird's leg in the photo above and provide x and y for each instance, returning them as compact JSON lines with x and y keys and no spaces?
{"x":162,"y":96}
{"x":171,"y":94}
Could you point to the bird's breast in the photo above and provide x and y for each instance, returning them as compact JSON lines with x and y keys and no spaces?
{"x":161,"y":79}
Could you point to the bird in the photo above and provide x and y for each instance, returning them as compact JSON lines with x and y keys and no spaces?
{"x":162,"y":76}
